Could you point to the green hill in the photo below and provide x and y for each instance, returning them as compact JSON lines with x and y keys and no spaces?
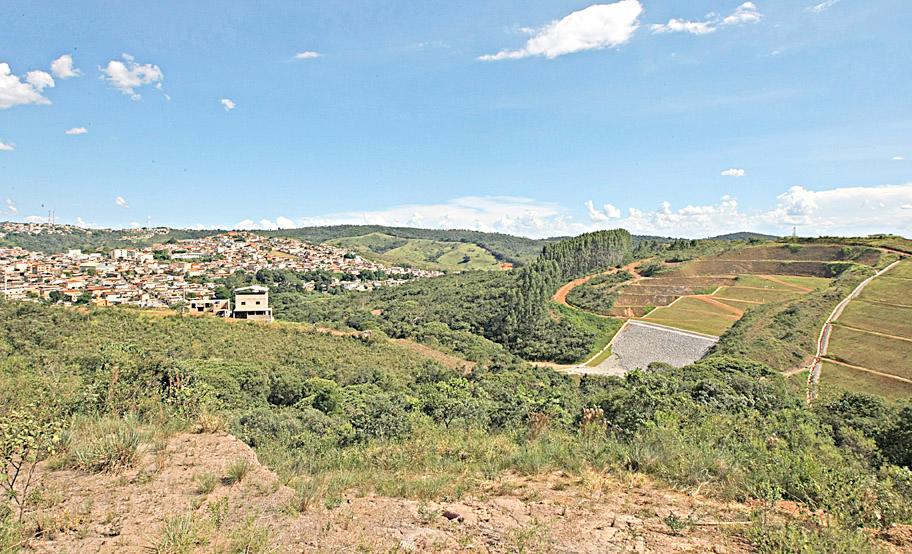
{"x":421,"y":253}
{"x":503,"y":247}
{"x":66,"y":237}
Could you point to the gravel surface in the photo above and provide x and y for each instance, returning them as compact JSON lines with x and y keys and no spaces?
{"x":639,"y":344}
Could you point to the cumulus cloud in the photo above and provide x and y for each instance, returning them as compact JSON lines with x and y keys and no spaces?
{"x":733,"y":172}
{"x":280,"y":222}
{"x":126,"y":76}
{"x":62,"y":67}
{"x":7,"y":146}
{"x":684,"y":26}
{"x":35,"y":219}
{"x":822,"y":6}
{"x":228,"y":104}
{"x":15,"y":91}
{"x":120,"y":201}
{"x":594,"y":28}
{"x":839,"y":211}
{"x":307,"y":55}
{"x":11,"y":207}
{"x":76,"y":131}
{"x":745,"y":13}
{"x":607,"y":212}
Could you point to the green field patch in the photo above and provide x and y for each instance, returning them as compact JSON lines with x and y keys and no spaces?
{"x":836,"y":379}
{"x":904,"y":270}
{"x":890,"y":290}
{"x":871,"y":351}
{"x":739,"y":304}
{"x":423,"y":253}
{"x":751,"y":294}
{"x":878,"y":317}
{"x":694,"y":315}
{"x":805,"y":281}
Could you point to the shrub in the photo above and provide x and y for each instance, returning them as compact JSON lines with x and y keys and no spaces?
{"x":249,"y":538}
{"x":179,"y":536}
{"x":104,"y":445}
{"x":26,"y":438}
{"x":236,"y":471}
{"x":205,"y":482}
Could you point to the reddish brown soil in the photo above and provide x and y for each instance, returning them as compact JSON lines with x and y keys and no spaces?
{"x":561,"y":295}
{"x":554,"y":512}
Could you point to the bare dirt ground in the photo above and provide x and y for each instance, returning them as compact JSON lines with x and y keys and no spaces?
{"x":561,"y":295}
{"x":126,"y":512}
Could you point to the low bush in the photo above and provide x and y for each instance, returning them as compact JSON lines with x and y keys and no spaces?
{"x":103,"y":445}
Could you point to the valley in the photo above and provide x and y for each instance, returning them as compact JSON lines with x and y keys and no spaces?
{"x":477,"y":410}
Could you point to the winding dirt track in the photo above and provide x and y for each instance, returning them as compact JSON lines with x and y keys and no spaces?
{"x":823,"y":341}
{"x":561,"y":295}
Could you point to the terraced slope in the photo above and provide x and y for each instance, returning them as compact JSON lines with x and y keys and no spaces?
{"x":710,"y":294}
{"x":870,"y":347}
{"x":714,"y":313}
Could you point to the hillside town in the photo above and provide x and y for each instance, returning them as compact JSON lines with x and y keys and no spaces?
{"x":180,"y":272}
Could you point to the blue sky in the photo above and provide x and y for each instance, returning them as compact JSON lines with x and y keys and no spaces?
{"x":531,"y":117}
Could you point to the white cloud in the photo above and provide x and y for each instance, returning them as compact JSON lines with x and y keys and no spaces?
{"x":39,"y":80}
{"x":733,"y":172}
{"x":228,"y":104}
{"x":7,"y":146}
{"x":62,"y":67}
{"x":128,"y":75}
{"x":120,"y":201}
{"x":307,"y":55}
{"x":505,"y":214}
{"x":35,"y":219}
{"x":898,"y":158}
{"x":76,"y":131}
{"x":745,"y":13}
{"x":684,"y":26}
{"x":11,"y":207}
{"x":608,"y":212}
{"x":281,"y":222}
{"x":823,"y":6}
{"x":840,"y":211}
{"x":594,"y":28}
{"x":14,"y":91}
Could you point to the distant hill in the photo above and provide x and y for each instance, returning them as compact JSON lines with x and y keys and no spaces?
{"x":441,"y":247}
{"x":744,"y":235}
{"x":66,"y":237}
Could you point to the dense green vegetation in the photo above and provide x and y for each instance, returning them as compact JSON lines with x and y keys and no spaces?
{"x":339,"y":414}
{"x":91,"y":240}
{"x":599,"y":293}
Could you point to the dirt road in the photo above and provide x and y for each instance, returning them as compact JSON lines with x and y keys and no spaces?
{"x":823,"y":341}
{"x":561,"y":295}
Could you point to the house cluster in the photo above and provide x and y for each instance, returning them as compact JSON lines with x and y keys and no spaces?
{"x":180,"y":272}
